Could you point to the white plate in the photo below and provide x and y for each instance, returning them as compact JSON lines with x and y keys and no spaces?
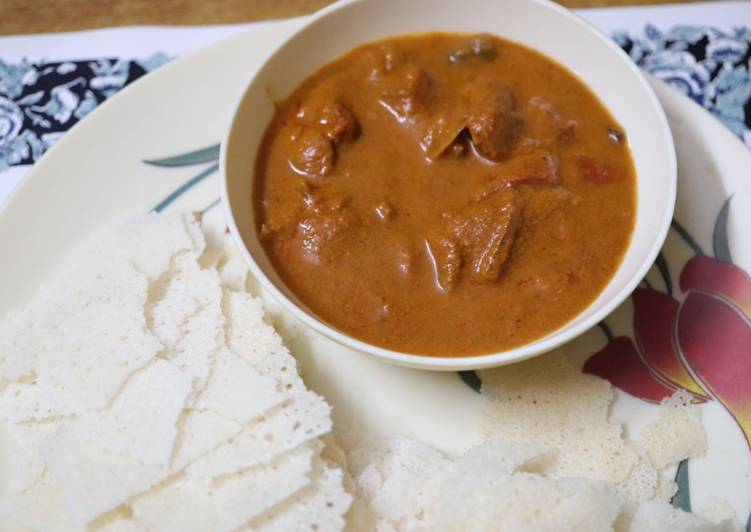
{"x":96,"y":175}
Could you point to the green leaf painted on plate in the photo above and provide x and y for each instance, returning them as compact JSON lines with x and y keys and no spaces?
{"x":204,"y":155}
{"x":682,"y":497}
{"x":471,"y":379}
{"x":606,"y":330}
{"x":211,"y":205}
{"x":720,"y":235}
{"x":182,"y":189}
{"x":687,"y":238}
{"x":662,"y":267}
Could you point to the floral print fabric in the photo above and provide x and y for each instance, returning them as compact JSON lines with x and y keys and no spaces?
{"x":708,"y":65}
{"x":39,"y":102}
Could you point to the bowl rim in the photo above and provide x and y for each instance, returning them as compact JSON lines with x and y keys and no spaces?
{"x":556,"y":338}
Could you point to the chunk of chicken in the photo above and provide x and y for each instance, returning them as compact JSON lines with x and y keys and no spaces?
{"x":487,"y":232}
{"x":480,"y":47}
{"x":313,"y":154}
{"x":323,"y":229}
{"x":488,"y":111}
{"x":338,"y":123}
{"x":493,"y":118}
{"x":476,"y":242}
{"x":545,"y":202}
{"x":441,"y":134}
{"x":536,"y":167}
{"x":405,"y":92}
{"x":544,"y":124}
{"x":331,"y":117}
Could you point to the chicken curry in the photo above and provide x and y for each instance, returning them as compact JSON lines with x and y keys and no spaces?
{"x":444,"y":194}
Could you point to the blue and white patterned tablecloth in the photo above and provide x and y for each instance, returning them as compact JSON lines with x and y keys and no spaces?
{"x":50,"y":82}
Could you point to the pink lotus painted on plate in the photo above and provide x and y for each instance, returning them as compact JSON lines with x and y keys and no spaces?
{"x":701,"y":344}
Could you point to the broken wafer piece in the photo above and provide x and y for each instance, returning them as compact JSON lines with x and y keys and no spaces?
{"x":164,"y":391}
{"x":236,"y":391}
{"x":93,"y":481}
{"x":41,"y":507}
{"x":479,"y":500}
{"x":196,"y":351}
{"x":642,"y":482}
{"x":303,"y":419}
{"x":659,"y":516}
{"x":254,"y":340}
{"x":53,"y":363}
{"x":178,"y":296}
{"x":677,"y":432}
{"x":101,"y":459}
{"x":141,"y":422}
{"x":150,"y":242}
{"x":200,"y":432}
{"x":188,"y":504}
{"x":233,"y":271}
{"x":72,"y":370}
{"x":320,"y":506}
{"x":21,"y":441}
{"x":549,"y":401}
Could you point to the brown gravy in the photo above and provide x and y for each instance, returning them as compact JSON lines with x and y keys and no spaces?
{"x":444,"y":194}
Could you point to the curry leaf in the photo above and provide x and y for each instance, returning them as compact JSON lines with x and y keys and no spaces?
{"x":720,"y":235}
{"x":204,"y":155}
{"x":682,"y":497}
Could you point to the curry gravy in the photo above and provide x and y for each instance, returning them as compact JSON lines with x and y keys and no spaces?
{"x":444,"y":194}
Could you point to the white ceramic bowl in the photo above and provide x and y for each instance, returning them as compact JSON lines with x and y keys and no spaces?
{"x":539,"y":24}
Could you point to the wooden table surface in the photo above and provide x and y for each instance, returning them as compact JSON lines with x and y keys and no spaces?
{"x":43,"y":16}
